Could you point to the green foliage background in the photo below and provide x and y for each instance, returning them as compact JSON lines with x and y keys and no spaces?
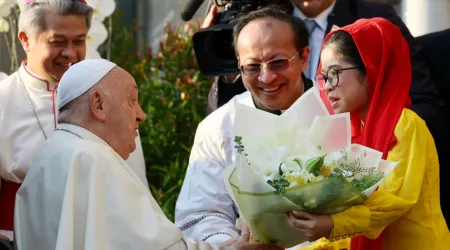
{"x":173,"y":95}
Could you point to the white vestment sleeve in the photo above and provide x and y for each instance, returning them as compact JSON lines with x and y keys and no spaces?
{"x":204,"y":209}
{"x":192,"y":244}
{"x":106,"y":207}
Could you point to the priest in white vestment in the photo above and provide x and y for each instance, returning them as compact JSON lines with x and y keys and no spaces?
{"x":204,"y":209}
{"x":79,"y":192}
{"x":28,"y":97}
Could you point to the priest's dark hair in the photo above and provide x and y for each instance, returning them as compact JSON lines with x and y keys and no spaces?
{"x":32,"y":17}
{"x":301,"y":34}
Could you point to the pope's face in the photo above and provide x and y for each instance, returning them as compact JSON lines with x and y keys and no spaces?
{"x":63,"y":42}
{"x":126,"y":113}
{"x":263,"y":40}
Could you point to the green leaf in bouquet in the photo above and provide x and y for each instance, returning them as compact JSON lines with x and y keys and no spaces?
{"x":279,"y":185}
{"x":314,"y":165}
{"x":298,"y":162}
{"x":352,"y":168}
{"x":239,"y":146}
{"x":370,"y":178}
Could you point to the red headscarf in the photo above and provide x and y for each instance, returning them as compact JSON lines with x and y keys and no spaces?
{"x":385,"y":54}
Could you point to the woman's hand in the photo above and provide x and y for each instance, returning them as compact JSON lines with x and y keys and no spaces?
{"x":312,"y":227}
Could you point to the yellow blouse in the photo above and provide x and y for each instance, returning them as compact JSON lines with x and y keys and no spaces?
{"x":407,"y":203}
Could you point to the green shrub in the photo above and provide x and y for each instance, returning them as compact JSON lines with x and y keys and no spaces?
{"x":173,"y":95}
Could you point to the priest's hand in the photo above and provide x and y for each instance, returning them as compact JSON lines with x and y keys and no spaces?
{"x":3,"y":237}
{"x":312,"y":227}
{"x":242,"y":243}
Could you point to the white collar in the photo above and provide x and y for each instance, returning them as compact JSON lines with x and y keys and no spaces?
{"x":82,"y":132}
{"x":321,"y":19}
{"x":33,"y":80}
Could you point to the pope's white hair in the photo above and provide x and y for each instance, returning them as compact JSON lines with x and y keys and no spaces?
{"x":32,"y":20}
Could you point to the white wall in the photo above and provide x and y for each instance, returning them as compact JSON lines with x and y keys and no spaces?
{"x":425,"y":16}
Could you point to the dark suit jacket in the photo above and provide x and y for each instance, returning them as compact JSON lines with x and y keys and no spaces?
{"x":427,"y":102}
{"x":436,"y":51}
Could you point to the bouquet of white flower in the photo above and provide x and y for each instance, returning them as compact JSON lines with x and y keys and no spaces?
{"x":301,"y":160}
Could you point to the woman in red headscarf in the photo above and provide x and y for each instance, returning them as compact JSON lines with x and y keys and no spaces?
{"x":365,"y":70}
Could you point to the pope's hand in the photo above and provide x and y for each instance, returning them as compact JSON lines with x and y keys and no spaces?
{"x":242,"y":243}
{"x":312,"y":227}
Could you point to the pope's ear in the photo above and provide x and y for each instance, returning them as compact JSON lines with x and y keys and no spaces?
{"x":24,"y":40}
{"x":97,"y":105}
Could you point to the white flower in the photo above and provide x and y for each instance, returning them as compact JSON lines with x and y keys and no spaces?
{"x":21,"y":3}
{"x":314,"y":178}
{"x":4,"y":25}
{"x":310,"y":204}
{"x":3,"y":76}
{"x":346,"y":173}
{"x":5,"y":7}
{"x":96,"y":36}
{"x":282,"y":152}
{"x":102,"y":8}
{"x":92,"y":53}
{"x":334,"y":157}
{"x":291,"y":164}
{"x":270,"y":172}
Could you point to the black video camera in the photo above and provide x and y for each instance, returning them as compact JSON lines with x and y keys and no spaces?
{"x":213,"y":46}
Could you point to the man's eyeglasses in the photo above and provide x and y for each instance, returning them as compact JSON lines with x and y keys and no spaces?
{"x":275,"y":65}
{"x":332,"y":77}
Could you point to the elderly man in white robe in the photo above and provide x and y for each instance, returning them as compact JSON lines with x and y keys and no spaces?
{"x":272,"y":48}
{"x":53,"y":35}
{"x":79,"y":192}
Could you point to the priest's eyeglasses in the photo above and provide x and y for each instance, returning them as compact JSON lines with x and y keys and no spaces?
{"x":332,"y":77}
{"x":275,"y":65}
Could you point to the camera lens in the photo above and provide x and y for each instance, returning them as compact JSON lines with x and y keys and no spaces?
{"x":222,"y":45}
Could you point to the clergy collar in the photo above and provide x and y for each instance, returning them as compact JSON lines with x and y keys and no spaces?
{"x":81,"y":132}
{"x":321,"y":19}
{"x":307,"y":84}
{"x":32,"y":80}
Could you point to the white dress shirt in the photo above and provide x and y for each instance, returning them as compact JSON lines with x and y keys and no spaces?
{"x":316,"y":38}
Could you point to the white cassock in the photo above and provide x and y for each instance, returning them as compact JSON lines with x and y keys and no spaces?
{"x":80,"y":194}
{"x":21,"y":135}
{"x":204,"y":209}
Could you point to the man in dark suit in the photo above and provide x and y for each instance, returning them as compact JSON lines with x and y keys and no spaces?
{"x":436,"y":51}
{"x":327,"y":14}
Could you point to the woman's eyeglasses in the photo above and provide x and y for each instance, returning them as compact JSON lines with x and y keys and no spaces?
{"x":332,"y":77}
{"x":276,"y":65}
